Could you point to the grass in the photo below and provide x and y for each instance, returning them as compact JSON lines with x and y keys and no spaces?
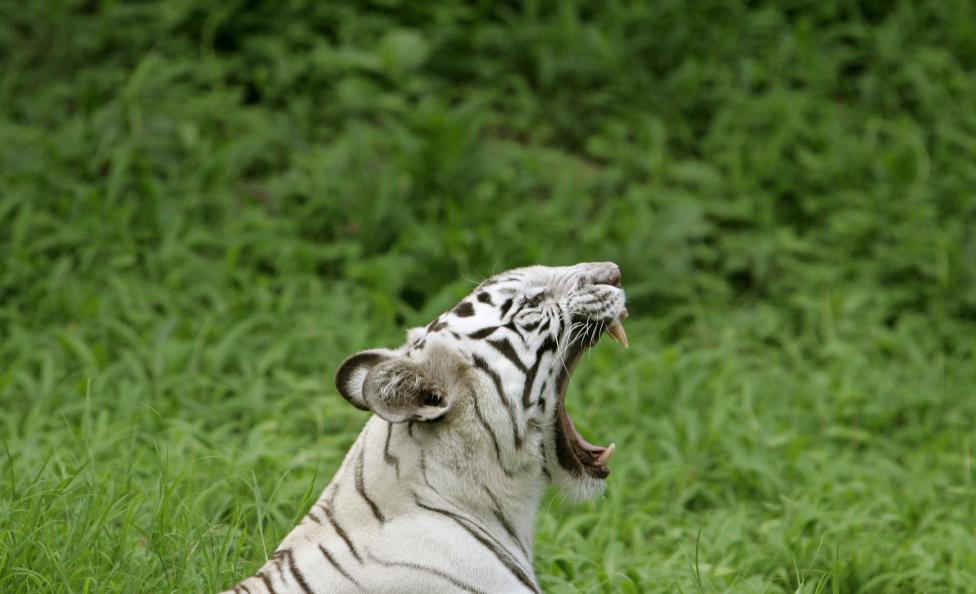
{"x":205,"y":206}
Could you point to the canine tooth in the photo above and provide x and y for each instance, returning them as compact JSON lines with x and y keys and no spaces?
{"x":606,"y":455}
{"x":616,"y":331}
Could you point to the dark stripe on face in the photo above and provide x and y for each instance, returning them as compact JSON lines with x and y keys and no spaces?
{"x":511,"y":325}
{"x":311,"y":515}
{"x":342,"y":533}
{"x":485,"y":298}
{"x":267,"y":582}
{"x":464,"y":310}
{"x":387,"y":456}
{"x":483,"y":366}
{"x":428,"y":570}
{"x":338,"y":567}
{"x":504,"y":347}
{"x":479,"y":334}
{"x":505,"y":307}
{"x":295,"y":573}
{"x":548,"y":345}
{"x":246,"y":589}
{"x":499,"y":552}
{"x":361,"y":488}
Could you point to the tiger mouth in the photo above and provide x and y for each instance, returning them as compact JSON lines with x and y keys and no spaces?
{"x":573,"y":452}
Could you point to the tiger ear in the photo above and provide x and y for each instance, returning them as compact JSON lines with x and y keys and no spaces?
{"x":352,"y":373}
{"x":395,"y":388}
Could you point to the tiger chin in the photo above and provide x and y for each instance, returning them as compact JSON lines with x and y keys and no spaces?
{"x":467,"y":429}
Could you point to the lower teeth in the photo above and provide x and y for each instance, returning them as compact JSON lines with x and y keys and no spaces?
{"x":606,"y":455}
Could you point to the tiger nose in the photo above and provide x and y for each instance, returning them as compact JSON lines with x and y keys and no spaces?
{"x":600,"y":273}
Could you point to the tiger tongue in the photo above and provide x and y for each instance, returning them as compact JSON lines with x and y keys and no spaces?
{"x":586,"y":446}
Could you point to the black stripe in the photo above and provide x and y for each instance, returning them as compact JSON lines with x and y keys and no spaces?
{"x":277,"y":563}
{"x":483,"y":365}
{"x":361,"y":488}
{"x":431,"y":570}
{"x":545,"y":461}
{"x":505,"y":347}
{"x":290,"y":557}
{"x":491,"y":433}
{"x":511,"y":325}
{"x":548,"y":345}
{"x":463,"y":310}
{"x":342,"y":533}
{"x":505,"y":307}
{"x":479,"y":334}
{"x":387,"y":456}
{"x":485,"y":298}
{"x":243,"y":587}
{"x":499,"y":553}
{"x":311,"y":515}
{"x":267,"y":582}
{"x":338,"y":567}
{"x":504,"y":521}
{"x":423,"y":472}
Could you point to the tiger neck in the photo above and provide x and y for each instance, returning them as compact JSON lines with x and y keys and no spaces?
{"x":390,"y":473}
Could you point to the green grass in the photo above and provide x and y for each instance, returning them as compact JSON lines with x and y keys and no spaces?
{"x":205,"y":206}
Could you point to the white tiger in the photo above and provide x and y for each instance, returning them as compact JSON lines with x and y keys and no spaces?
{"x":440,"y":491}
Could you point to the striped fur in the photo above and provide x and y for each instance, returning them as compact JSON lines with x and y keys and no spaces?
{"x":440,"y":491}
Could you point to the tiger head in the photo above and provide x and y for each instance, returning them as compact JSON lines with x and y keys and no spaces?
{"x":485,"y":383}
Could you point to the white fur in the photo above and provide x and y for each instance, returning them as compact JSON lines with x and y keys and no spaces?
{"x":450,"y":505}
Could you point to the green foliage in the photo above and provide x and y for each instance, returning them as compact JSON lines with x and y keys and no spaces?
{"x":205,"y":206}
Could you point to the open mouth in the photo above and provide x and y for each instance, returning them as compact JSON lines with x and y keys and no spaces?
{"x":574,"y":453}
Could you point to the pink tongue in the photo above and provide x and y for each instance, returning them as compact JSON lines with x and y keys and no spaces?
{"x":589,"y":447}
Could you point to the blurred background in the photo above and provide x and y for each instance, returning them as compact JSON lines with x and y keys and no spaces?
{"x":205,"y":206}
